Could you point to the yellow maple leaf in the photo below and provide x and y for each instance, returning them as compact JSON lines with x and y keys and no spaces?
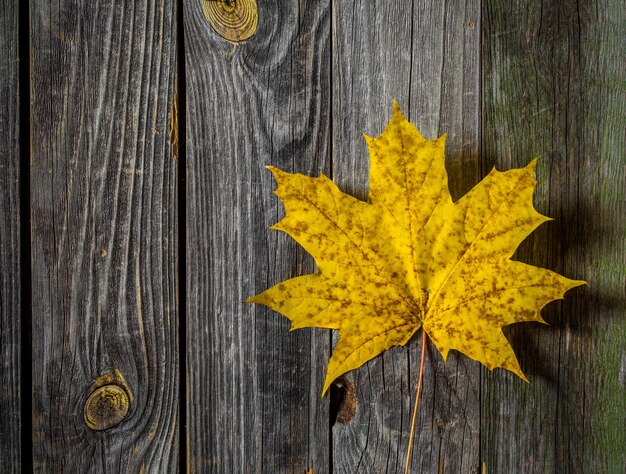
{"x":411,"y":257}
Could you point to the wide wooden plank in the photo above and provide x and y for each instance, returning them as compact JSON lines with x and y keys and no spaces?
{"x":104,"y":219}
{"x":10,"y":297}
{"x":254,"y":390}
{"x":553,"y":88}
{"x":425,"y":55}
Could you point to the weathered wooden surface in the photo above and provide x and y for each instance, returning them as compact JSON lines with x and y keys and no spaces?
{"x":104,"y":246}
{"x":508,"y":81}
{"x":10,"y":297}
{"x":424,"y":54}
{"x":254,"y":390}
{"x":553,"y":89}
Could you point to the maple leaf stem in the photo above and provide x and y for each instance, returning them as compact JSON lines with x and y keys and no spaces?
{"x":417,"y":400}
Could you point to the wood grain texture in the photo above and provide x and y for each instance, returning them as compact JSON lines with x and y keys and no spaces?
{"x":425,"y":55}
{"x":104,"y":223}
{"x":254,"y":390}
{"x":10,"y":298}
{"x":553,"y":88}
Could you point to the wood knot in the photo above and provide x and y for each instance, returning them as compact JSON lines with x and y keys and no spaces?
{"x":106,"y":407}
{"x":233,"y":20}
{"x":342,"y":400}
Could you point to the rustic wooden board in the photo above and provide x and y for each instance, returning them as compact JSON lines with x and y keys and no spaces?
{"x":426,"y":55}
{"x":553,"y":88}
{"x":254,"y":390}
{"x":104,"y":221}
{"x":10,"y":297}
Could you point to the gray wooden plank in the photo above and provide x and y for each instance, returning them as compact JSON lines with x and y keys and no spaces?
{"x":104,"y":220}
{"x":553,"y":88}
{"x":10,"y":298}
{"x":426,"y":55}
{"x":254,"y":390}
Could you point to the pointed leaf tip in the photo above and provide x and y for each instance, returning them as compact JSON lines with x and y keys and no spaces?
{"x":273,"y":169}
{"x":327,"y":384}
{"x":396,"y":108}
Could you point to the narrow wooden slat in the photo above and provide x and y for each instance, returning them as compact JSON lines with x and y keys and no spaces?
{"x":104,"y":236}
{"x":425,"y":55}
{"x":10,"y":300}
{"x":254,"y":390}
{"x":553,"y":88}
